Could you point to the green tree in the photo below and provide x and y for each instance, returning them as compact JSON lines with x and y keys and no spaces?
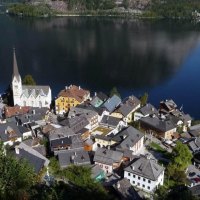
{"x":16,"y":178}
{"x":80,"y":177}
{"x":181,"y":156}
{"x":144,"y":99}
{"x":28,"y":80}
{"x":114,"y":91}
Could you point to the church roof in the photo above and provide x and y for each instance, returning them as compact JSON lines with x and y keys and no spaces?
{"x":15,"y":67}
{"x":35,"y":90}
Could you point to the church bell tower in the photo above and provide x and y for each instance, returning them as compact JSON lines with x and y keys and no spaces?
{"x":16,"y":82}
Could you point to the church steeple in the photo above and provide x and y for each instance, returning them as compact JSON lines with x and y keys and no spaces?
{"x":15,"y":67}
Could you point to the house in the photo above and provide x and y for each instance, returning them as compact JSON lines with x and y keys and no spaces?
{"x":129,"y":139}
{"x":127,"y":108}
{"x":25,"y":132}
{"x":167,"y":106}
{"x":70,"y":97}
{"x":112,"y":103}
{"x":107,"y":159}
{"x":16,"y":110}
{"x":32,"y":151}
{"x":125,"y":190}
{"x":145,"y":111}
{"x":9,"y":133}
{"x":98,"y":99}
{"x":145,"y":174}
{"x":194,"y":131}
{"x":90,"y":115}
{"x":74,"y":156}
{"x":194,"y":144}
{"x":64,"y":138}
{"x":112,"y":122}
{"x":36,"y":162}
{"x":104,"y":141}
{"x":26,"y":95}
{"x":160,"y":128}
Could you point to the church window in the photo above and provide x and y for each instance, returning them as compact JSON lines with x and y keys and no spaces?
{"x":40,"y":104}
{"x":24,"y":103}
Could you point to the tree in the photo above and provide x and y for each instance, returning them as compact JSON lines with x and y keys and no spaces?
{"x":144,"y":99}
{"x":181,"y":156}
{"x":80,"y":178}
{"x":114,"y":91}
{"x":28,"y":80}
{"x":16,"y":178}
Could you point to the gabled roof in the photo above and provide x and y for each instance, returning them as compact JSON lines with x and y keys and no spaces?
{"x":112,"y":103}
{"x":145,"y":167}
{"x":148,"y":109}
{"x":129,"y":104}
{"x":107,"y":156}
{"x":128,"y":137}
{"x":35,"y":90}
{"x":34,"y":161}
{"x":75,"y":156}
{"x":110,"y":121}
{"x":194,"y":144}
{"x":102,"y":96}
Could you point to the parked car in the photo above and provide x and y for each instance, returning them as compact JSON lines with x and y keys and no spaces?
{"x":197,"y":180}
{"x":191,"y":174}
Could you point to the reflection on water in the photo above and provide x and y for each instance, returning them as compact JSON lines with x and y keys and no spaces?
{"x":96,"y":52}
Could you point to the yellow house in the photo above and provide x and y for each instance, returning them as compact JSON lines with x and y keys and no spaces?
{"x":70,"y":97}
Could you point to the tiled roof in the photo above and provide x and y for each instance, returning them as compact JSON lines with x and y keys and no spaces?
{"x":110,"y":121}
{"x":35,"y":90}
{"x":16,"y":110}
{"x":148,"y":109}
{"x":74,"y":92}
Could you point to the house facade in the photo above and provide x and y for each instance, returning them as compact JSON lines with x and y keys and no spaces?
{"x":144,"y":173}
{"x":70,"y":97}
{"x":26,"y":95}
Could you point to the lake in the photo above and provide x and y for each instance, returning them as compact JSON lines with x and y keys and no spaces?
{"x":157,"y":56}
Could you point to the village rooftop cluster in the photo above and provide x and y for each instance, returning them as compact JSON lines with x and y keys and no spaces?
{"x":111,"y":135}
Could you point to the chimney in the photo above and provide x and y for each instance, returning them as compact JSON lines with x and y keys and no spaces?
{"x":34,"y":112}
{"x":17,"y":149}
{"x":95,"y":94}
{"x":79,"y":87}
{"x":118,"y":185}
{"x":66,"y":87}
{"x":132,"y":167}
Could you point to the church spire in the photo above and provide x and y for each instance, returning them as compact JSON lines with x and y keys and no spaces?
{"x":15,"y":67}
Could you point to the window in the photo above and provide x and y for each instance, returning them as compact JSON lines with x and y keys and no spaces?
{"x":133,"y":182}
{"x":138,"y":178}
{"x":129,"y":174}
{"x":144,"y":179}
{"x":148,"y":188}
{"x":143,"y":186}
{"x":138,"y":184}
{"x":149,"y":181}
{"x":133,"y":175}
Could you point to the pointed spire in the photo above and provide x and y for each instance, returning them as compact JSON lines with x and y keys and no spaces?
{"x":15,"y":67}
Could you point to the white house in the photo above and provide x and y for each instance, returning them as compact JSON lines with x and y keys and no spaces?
{"x":144,"y":173}
{"x":24,"y":95}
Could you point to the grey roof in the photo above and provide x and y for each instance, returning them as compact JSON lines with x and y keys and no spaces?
{"x":129,"y":104}
{"x":27,"y":118}
{"x":110,"y":121}
{"x":61,"y":142}
{"x":99,"y":110}
{"x":76,"y":123}
{"x":60,"y":132}
{"x":76,"y":156}
{"x":23,"y":129}
{"x":36,"y":162}
{"x":107,"y":156}
{"x":112,"y":103}
{"x":158,"y":124}
{"x":15,"y":67}
{"x":8,"y":131}
{"x":170,"y":104}
{"x":148,"y":109}
{"x":96,"y":101}
{"x":194,"y":144}
{"x":126,"y":190}
{"x":35,"y":90}
{"x":131,"y":137}
{"x":145,"y":167}
{"x":102,"y":96}
{"x":195,"y":190}
{"x":76,"y":111}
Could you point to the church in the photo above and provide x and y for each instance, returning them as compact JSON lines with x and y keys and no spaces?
{"x":28,"y":95}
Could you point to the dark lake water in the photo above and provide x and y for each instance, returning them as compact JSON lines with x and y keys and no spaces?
{"x":160,"y":57}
